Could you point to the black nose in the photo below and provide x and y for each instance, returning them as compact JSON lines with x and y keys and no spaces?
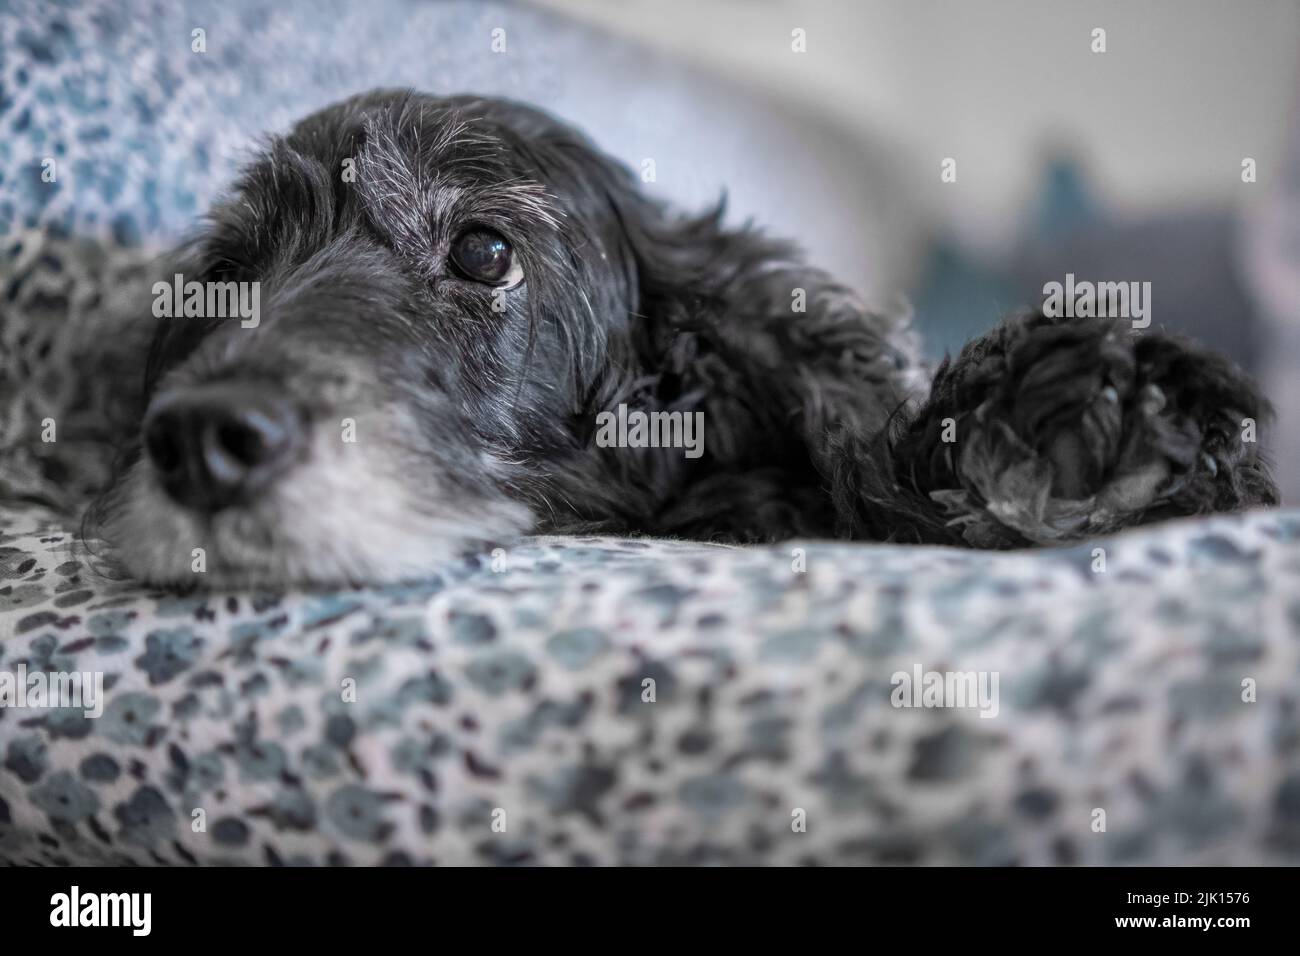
{"x":220,"y":444}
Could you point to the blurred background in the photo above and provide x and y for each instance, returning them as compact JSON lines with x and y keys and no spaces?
{"x":824,"y":120}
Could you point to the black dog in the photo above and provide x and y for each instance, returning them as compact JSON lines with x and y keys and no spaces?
{"x":454,"y":291}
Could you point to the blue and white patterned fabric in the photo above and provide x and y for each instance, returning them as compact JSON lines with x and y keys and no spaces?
{"x":572,"y":701}
{"x":558,"y":701}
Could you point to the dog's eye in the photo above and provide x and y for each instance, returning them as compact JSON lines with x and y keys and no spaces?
{"x":485,"y":256}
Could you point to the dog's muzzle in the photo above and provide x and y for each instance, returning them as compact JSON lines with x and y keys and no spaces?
{"x":221,"y":444}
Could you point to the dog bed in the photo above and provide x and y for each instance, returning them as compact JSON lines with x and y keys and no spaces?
{"x":559,"y":701}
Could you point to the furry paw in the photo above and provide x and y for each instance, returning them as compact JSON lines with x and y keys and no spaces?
{"x":1050,"y":429}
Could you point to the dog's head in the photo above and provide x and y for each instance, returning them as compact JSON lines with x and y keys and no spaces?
{"x":377,"y":343}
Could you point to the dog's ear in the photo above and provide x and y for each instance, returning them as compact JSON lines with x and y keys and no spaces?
{"x":675,"y":259}
{"x":734,"y":311}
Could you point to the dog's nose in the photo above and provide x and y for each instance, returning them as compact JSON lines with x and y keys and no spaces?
{"x":220,"y":444}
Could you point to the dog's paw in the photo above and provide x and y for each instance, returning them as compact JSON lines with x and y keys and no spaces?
{"x":1050,"y":429}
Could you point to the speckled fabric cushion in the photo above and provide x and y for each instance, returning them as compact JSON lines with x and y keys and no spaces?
{"x":574,"y":701}
{"x":559,"y":701}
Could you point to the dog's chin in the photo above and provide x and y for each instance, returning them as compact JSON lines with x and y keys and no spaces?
{"x":337,"y":518}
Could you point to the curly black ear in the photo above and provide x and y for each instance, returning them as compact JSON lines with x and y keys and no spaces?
{"x":686,"y":261}
{"x":778,"y":356}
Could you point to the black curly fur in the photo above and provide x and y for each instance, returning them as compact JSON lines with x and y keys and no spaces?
{"x":1073,"y":427}
{"x":814,"y":427}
